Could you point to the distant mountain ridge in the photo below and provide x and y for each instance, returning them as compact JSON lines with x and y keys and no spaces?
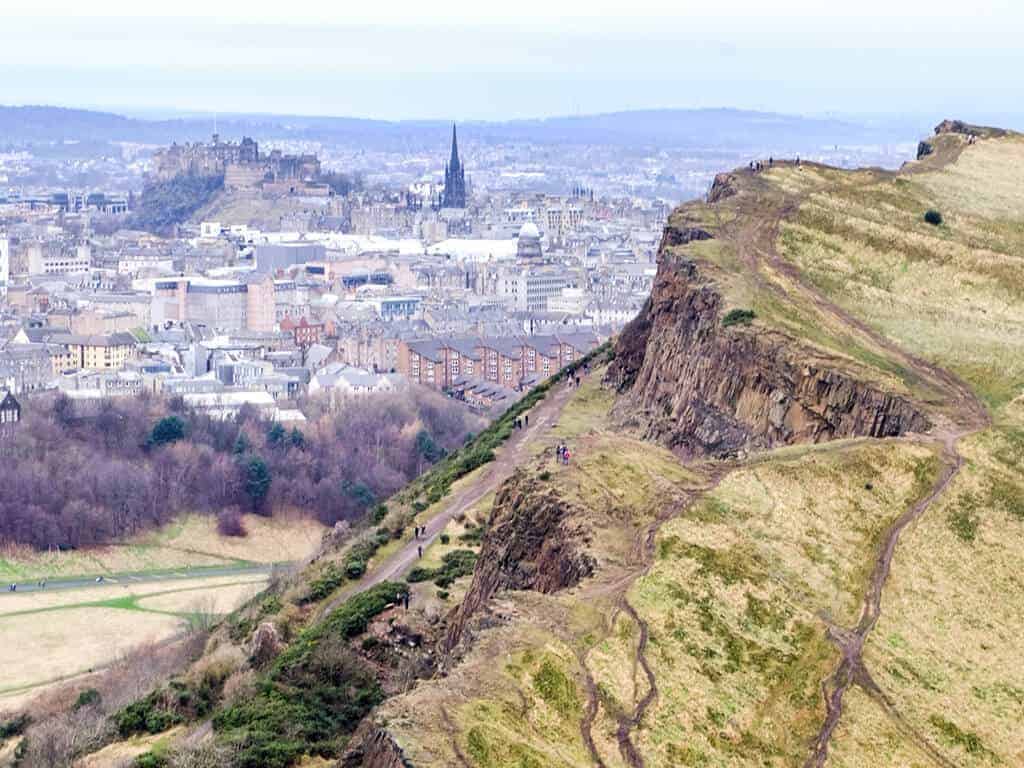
{"x":665,"y":128}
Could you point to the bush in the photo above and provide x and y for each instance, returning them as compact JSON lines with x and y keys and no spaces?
{"x":330,"y":578}
{"x":148,"y":715}
{"x":458,"y":562}
{"x":933,"y":217}
{"x":87,"y":698}
{"x":442,"y":594}
{"x":229,"y":522}
{"x":316,"y":692}
{"x":169,"y":429}
{"x":15,"y":726}
{"x":445,"y":538}
{"x":738,"y":317}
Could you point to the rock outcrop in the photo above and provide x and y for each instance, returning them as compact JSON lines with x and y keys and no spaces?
{"x":373,"y":747}
{"x":722,"y":187}
{"x":702,"y":388}
{"x":534,"y":541}
{"x":924,"y":149}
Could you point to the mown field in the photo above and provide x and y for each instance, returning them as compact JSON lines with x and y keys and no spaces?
{"x":154,"y":586}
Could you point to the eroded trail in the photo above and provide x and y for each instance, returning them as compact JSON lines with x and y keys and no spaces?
{"x":851,"y":669}
{"x":643,"y":552}
{"x":964,"y":415}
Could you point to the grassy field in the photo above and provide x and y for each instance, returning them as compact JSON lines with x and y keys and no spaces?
{"x":192,"y":541}
{"x":49,"y":636}
{"x":155,"y":586}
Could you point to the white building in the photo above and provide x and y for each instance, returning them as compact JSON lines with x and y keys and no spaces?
{"x":5,"y":265}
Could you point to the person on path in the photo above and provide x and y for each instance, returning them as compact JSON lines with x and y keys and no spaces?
{"x":419,"y":550}
{"x":527,"y":420}
{"x":407,"y":601}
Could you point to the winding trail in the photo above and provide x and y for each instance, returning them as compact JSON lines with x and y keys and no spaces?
{"x":964,"y":415}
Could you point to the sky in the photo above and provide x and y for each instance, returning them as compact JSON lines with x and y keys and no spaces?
{"x":477,"y":60}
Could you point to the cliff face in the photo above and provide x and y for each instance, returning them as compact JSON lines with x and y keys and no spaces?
{"x":533,"y":541}
{"x":704,"y":389}
{"x":373,"y":747}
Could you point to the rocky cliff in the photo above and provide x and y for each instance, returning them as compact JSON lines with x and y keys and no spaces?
{"x":534,"y":541}
{"x":703,"y":387}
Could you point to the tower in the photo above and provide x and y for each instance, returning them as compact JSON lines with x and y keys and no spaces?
{"x":454,"y":178}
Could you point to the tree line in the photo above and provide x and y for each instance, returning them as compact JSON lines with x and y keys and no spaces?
{"x":137,"y":463}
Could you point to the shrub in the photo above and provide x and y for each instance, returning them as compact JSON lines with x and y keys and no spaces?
{"x":15,"y":726}
{"x":229,"y":522}
{"x":86,"y":698}
{"x":329,"y":579}
{"x":147,"y":715}
{"x":445,"y":538}
{"x":379,"y":513}
{"x":169,"y":429}
{"x":315,"y":693}
{"x":738,"y":317}
{"x":458,"y":562}
{"x":933,"y":217}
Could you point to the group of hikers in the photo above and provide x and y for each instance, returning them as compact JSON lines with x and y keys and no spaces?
{"x":563,"y":453}
{"x":13,"y":587}
{"x":756,"y":166}
{"x":522,"y":422}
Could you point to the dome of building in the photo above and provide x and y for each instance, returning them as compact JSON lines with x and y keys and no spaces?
{"x":529,"y":241}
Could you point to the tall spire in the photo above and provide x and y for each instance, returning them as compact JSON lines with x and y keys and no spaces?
{"x":454,"y":162}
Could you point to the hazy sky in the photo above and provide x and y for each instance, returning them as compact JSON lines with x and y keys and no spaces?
{"x":459,"y":60}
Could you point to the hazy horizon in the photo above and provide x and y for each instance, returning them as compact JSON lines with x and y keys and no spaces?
{"x":456,"y":61}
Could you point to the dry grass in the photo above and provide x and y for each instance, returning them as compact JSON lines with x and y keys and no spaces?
{"x":50,"y":636}
{"x":123,"y":753}
{"x":954,"y":293}
{"x":734,"y":599}
{"x":948,"y":643}
{"x":191,"y":541}
{"x":212,"y":599}
{"x":42,"y":647}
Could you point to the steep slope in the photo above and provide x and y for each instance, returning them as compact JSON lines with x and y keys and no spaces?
{"x":789,"y":533}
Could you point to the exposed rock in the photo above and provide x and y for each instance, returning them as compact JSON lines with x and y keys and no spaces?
{"x":924,"y":149}
{"x":701,"y":389}
{"x":959,"y":126}
{"x":373,"y":747}
{"x":722,"y":187}
{"x":266,"y":644}
{"x":534,"y":541}
{"x":683,"y":235}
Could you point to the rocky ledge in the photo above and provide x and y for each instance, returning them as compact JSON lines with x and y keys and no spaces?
{"x":702,"y":387}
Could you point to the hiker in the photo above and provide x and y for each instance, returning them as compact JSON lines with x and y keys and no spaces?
{"x":416,"y":532}
{"x":419,"y":550}
{"x":771,"y":162}
{"x":407,"y":601}
{"x":566,"y":457}
{"x":798,"y":161}
{"x":577,"y":382}
{"x":527,"y":420}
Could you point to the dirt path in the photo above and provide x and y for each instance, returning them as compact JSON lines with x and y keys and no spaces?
{"x":510,"y":455}
{"x":965,"y":415}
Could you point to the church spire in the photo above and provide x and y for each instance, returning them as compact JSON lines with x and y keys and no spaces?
{"x":454,"y":177}
{"x":454,"y":162}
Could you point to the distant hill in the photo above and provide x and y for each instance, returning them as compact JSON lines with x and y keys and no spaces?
{"x":669,"y":128}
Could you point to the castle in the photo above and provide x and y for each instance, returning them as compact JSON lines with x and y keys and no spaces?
{"x":241,"y":164}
